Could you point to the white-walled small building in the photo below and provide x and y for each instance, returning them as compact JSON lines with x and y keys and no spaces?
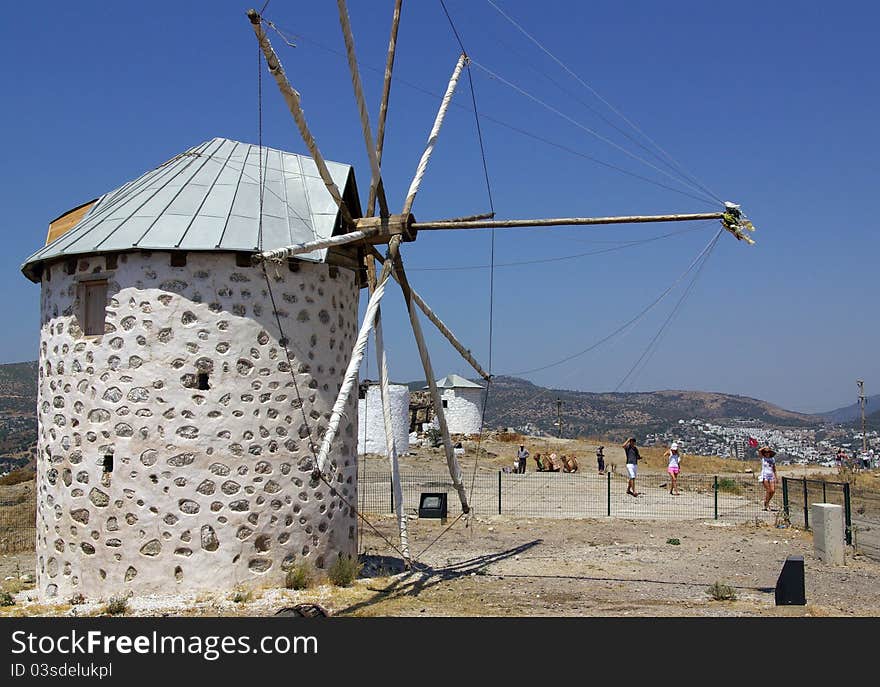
{"x":371,"y":421}
{"x":462,"y":402}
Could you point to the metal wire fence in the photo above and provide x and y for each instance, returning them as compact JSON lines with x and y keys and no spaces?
{"x":737,"y":498}
{"x":573,"y":495}
{"x":861,"y":509}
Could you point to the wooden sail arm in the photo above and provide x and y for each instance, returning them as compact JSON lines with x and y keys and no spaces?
{"x":372,"y":155}
{"x":351,"y":373}
{"x":451,"y":460}
{"x":383,"y":106}
{"x":432,"y":137}
{"x":731,"y":219}
{"x":291,"y":97}
{"x":456,"y":344}
{"x":300,"y":248}
{"x":559,"y":221}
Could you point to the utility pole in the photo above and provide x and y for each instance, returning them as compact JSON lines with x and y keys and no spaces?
{"x":861,"y":385}
{"x":559,"y":417}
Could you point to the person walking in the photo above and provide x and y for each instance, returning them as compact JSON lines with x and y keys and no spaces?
{"x":600,"y":459}
{"x":768,"y":474}
{"x":632,"y":464}
{"x":522,"y":456}
{"x":674,"y":467}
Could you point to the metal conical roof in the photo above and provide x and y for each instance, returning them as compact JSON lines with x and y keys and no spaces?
{"x":208,"y":199}
{"x":456,"y":382}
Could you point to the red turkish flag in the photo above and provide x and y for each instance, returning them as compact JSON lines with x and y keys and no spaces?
{"x":753,"y":442}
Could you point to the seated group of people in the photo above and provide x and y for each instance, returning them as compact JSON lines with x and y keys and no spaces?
{"x":554,"y":463}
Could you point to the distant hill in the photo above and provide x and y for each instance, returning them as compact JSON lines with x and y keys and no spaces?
{"x":515,"y":402}
{"x":18,"y":414}
{"x":18,"y":387}
{"x":872,"y":422}
{"x":853,"y":412}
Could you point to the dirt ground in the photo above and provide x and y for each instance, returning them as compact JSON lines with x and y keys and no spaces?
{"x":504,"y":566}
{"x":528,"y":567}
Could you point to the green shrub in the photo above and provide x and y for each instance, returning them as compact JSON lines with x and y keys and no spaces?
{"x":435,"y":436}
{"x":720,"y":591}
{"x":299,"y":577}
{"x":241,"y":595}
{"x":344,"y":571}
{"x":673,"y":541}
{"x":729,"y":485}
{"x":117,"y":605}
{"x":6,"y":599}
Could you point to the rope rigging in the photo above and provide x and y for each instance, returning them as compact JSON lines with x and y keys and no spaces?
{"x":585,"y":128}
{"x":652,"y":344}
{"x":622,"y":245}
{"x":599,"y":96}
{"x":491,"y":252}
{"x":499,"y":122}
{"x":394,"y":228}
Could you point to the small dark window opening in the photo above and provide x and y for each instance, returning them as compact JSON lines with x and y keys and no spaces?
{"x":178,"y":259}
{"x":243,"y":260}
{"x":445,"y":403}
{"x":111,"y":262}
{"x":293,"y":265}
{"x":362,"y":393}
{"x":202,"y":381}
{"x":107,"y":463}
{"x":333,"y":272}
{"x":70,"y":267}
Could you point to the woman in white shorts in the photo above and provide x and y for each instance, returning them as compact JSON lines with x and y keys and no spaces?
{"x":768,"y":474}
{"x":674,"y":468}
{"x":632,"y":463}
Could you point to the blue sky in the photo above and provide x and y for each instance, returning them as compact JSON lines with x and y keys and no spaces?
{"x":770,"y":105}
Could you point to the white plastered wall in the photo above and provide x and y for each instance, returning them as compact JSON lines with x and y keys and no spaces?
{"x":209,"y":488}
{"x":463,"y":410}
{"x":371,"y":423}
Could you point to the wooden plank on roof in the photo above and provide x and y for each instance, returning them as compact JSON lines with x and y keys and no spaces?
{"x":64,"y":223}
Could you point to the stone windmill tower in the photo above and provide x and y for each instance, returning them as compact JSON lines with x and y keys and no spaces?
{"x":174,"y":415}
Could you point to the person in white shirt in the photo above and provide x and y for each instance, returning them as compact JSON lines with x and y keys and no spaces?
{"x":768,"y":474}
{"x":522,"y":456}
{"x":674,"y":467}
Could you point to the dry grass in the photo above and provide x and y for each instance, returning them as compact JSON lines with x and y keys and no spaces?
{"x":17,"y":477}
{"x":17,"y":517}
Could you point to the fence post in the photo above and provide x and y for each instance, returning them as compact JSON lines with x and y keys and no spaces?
{"x":824,"y":493}
{"x":499,"y":492}
{"x":806,"y":507}
{"x":847,"y":513}
{"x":608,"y":497}
{"x":391,"y":490}
{"x":716,"y":497}
{"x":785,"y":508}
